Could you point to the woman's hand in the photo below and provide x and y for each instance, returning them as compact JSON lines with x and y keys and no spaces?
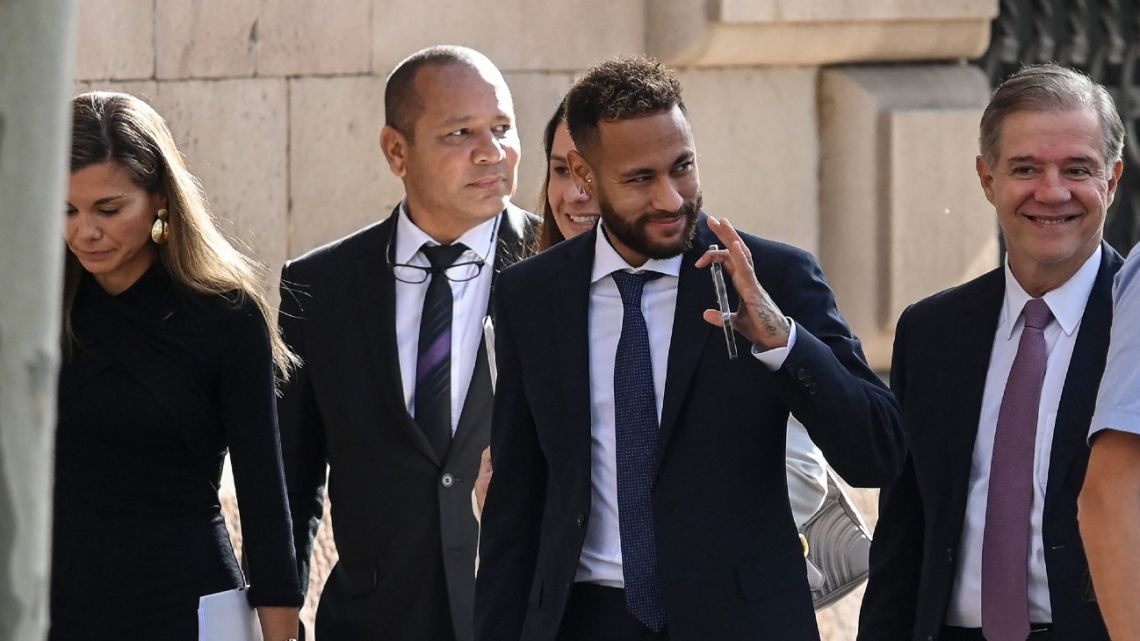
{"x":279,"y":623}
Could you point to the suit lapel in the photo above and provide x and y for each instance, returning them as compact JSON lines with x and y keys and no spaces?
{"x":569,"y":300}
{"x":1082,"y":379}
{"x":968,"y":346}
{"x":510,"y":247}
{"x":690,"y":333}
{"x":513,"y":244}
{"x":479,"y":396}
{"x":376,"y":291}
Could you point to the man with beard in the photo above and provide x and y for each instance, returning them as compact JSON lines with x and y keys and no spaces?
{"x":639,"y":487}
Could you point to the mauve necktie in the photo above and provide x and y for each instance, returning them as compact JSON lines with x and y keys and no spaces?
{"x":1005,"y":543}
{"x":635,"y":422}
{"x":433,"y":366}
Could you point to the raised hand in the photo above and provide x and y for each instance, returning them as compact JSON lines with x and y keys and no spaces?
{"x":758,"y":319}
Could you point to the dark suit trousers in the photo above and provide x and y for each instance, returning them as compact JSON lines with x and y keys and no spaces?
{"x":597,"y":613}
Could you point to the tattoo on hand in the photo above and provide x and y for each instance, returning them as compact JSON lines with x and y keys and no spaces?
{"x":773,"y":322}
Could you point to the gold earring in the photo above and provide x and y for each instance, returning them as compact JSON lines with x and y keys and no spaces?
{"x":160,"y":230}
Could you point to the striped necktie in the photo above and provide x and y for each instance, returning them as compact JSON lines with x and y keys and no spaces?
{"x":433,"y":365}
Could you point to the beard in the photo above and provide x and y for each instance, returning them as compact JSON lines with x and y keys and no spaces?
{"x":634,"y":233}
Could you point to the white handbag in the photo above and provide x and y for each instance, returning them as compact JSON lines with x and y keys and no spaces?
{"x":839,"y":547}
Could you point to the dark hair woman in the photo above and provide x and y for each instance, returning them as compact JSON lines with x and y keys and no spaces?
{"x":566,"y":211}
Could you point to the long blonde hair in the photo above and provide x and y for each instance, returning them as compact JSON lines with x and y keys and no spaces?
{"x":121,"y":128}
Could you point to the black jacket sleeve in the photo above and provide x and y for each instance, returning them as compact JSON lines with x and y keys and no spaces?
{"x":889,"y":604}
{"x":509,"y":539}
{"x":246,"y":389}
{"x":302,"y":432}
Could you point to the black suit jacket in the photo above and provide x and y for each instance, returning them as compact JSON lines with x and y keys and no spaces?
{"x":941,"y":355}
{"x":404,"y":529}
{"x":730,"y":559}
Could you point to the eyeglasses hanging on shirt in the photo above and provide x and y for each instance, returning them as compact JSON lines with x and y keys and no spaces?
{"x":462,"y":270}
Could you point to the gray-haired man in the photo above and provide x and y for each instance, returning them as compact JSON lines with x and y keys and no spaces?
{"x":978,"y":538}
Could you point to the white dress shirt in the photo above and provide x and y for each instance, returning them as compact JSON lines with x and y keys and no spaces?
{"x":601,"y":551}
{"x":469,"y":306}
{"x":1067,"y":303}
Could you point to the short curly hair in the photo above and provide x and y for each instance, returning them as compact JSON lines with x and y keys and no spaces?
{"x":619,"y":89}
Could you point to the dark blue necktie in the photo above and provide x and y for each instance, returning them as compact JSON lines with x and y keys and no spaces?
{"x":635,"y":420}
{"x":433,"y":365}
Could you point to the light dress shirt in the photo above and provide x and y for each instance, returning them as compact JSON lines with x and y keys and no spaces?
{"x":469,"y":306}
{"x":1067,"y":303}
{"x":600,"y":561}
{"x":1118,"y":404}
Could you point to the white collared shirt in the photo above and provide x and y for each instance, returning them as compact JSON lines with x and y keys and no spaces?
{"x":469,"y":306}
{"x":600,"y":561}
{"x":1067,"y":303}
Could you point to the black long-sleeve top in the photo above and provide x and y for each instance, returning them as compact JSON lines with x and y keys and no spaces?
{"x":162,"y":382}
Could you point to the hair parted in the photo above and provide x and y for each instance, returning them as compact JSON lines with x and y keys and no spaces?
{"x":1051,"y":87}
{"x":120,"y":128}
{"x":402,"y":103}
{"x":619,"y":89}
{"x":550,"y":234}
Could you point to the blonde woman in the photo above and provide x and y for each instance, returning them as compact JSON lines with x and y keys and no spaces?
{"x":171,"y":357}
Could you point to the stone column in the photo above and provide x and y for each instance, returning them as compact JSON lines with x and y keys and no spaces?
{"x":36,"y":57}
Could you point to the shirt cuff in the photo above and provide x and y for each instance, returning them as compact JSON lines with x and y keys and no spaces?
{"x":774,"y":358}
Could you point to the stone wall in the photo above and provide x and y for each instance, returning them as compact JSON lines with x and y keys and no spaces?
{"x":278,"y":106}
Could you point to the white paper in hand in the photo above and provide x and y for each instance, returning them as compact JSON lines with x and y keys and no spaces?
{"x":226,"y":616}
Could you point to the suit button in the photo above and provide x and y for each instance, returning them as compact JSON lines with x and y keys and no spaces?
{"x":949,"y":555}
{"x":581,"y":520}
{"x":801,"y":374}
{"x":447,"y":480}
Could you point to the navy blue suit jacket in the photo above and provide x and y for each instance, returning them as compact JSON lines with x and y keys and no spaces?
{"x":941,"y":356}
{"x":730,"y":559}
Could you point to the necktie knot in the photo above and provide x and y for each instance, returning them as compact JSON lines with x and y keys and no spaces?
{"x":442,"y":256}
{"x":1009,"y":503}
{"x":1037,"y":314}
{"x":635,"y":435}
{"x":631,"y":284}
{"x":433,"y":363}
